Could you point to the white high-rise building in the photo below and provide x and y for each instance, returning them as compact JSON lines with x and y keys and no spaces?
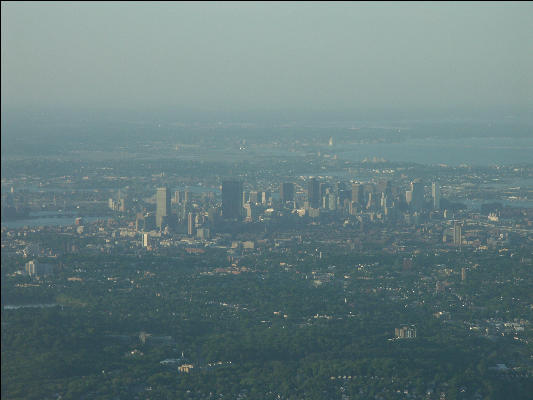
{"x":435,"y":193}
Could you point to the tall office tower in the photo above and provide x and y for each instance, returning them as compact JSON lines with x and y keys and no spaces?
{"x":417,"y":189}
{"x":408,"y":197}
{"x":231,"y":199}
{"x":287,"y":192}
{"x":457,"y":234}
{"x":122,"y":201}
{"x":176,"y":199}
{"x":213,"y":214}
{"x":254,"y":197}
{"x":250,"y":212}
{"x":111,"y":203}
{"x":463,"y":274}
{"x":330,"y":202}
{"x":190,"y":224}
{"x":370,"y":201}
{"x":383,"y":200}
{"x":313,"y":193}
{"x":265,"y":197}
{"x":324,"y":189}
{"x":345,"y":195}
{"x":358,"y":193}
{"x":139,"y":222}
{"x":435,"y":193}
{"x":149,"y":221}
{"x":162,"y":210}
{"x":186,"y":197}
{"x":247,"y":212}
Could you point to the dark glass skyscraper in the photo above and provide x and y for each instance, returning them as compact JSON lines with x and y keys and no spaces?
{"x":358,"y":193}
{"x":287,"y":192}
{"x":313,"y":193}
{"x":435,"y":194}
{"x":417,"y":189}
{"x":231,"y":199}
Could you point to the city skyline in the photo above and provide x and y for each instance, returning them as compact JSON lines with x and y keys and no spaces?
{"x":278,"y":201}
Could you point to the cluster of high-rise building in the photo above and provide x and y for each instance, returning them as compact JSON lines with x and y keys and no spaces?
{"x":118,"y":203}
{"x":360,"y":197}
{"x":197,"y":220}
{"x":382,"y":200}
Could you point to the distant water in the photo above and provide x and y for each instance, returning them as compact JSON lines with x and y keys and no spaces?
{"x":475,"y":151}
{"x":471,"y":151}
{"x":476,"y":204}
{"x":46,"y":218}
{"x":17,"y":306}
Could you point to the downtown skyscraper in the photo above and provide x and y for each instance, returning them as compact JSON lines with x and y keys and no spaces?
{"x":162,"y":211}
{"x":287,"y":192}
{"x":313,"y":193}
{"x":231,"y":199}
{"x":435,"y":194}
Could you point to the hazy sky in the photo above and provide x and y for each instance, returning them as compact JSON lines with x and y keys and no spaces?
{"x":255,"y":56}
